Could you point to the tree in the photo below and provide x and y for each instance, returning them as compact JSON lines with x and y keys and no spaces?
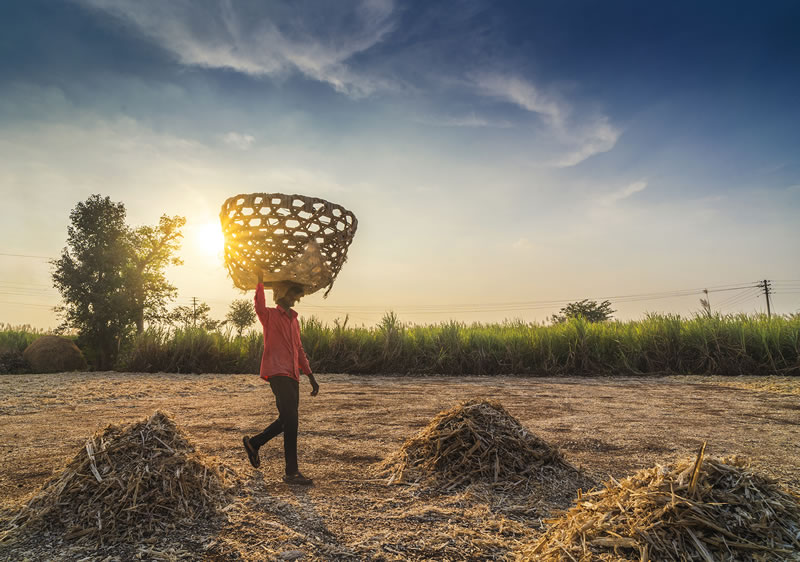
{"x":90,"y":275}
{"x":111,"y":277}
{"x":195,"y":316}
{"x":242,"y":314}
{"x":587,"y":309}
{"x":154,"y":248}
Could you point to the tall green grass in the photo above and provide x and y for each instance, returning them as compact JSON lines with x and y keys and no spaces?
{"x":721,"y":345}
{"x":13,"y":341}
{"x":17,"y":338}
{"x":193,"y":350}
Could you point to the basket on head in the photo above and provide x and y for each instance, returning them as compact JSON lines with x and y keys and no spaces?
{"x":285,"y":238}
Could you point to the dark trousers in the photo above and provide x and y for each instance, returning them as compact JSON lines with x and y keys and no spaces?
{"x":287,"y":398}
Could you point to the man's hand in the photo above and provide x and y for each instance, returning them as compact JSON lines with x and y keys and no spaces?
{"x":314,"y":385}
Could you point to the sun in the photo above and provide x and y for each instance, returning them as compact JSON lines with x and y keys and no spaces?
{"x":209,"y":239}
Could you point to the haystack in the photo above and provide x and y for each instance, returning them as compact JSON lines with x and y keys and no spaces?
{"x":125,"y":484}
{"x":478,"y":441}
{"x":54,"y":354}
{"x":708,"y":510}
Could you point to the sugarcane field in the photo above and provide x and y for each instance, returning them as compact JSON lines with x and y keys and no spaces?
{"x":137,"y":466}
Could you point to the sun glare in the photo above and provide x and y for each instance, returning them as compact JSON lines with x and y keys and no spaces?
{"x":209,"y":239}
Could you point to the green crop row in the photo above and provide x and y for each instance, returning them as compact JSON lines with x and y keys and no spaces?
{"x":727,"y":345}
{"x":716,"y":345}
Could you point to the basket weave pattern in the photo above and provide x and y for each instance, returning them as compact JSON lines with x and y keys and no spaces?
{"x":286,"y":238}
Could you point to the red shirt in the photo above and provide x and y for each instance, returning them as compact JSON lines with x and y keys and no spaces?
{"x":283,"y":351}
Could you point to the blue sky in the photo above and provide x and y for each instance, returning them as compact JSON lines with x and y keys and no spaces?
{"x":494,"y":152}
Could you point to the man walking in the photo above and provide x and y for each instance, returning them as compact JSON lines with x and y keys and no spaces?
{"x":281,"y":362}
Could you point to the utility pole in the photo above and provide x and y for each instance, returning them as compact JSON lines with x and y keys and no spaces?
{"x":194,"y":312}
{"x":766,"y":285}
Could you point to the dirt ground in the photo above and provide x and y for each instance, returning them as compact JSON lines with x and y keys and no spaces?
{"x":606,"y":426}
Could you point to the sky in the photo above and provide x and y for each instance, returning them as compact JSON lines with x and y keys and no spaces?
{"x":502,"y":158}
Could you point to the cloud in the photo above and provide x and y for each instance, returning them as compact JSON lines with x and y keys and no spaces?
{"x":575,"y":138}
{"x":522,"y":243}
{"x":241,"y":141}
{"x":267,"y":39}
{"x":523,"y":94}
{"x":595,"y":137}
{"x":469,"y":120}
{"x":296,"y":180}
{"x":625,"y":192}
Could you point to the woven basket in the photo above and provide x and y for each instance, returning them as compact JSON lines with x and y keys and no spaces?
{"x":285,"y":238}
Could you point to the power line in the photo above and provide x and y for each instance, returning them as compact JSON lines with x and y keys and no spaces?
{"x":14,"y":294}
{"x":28,"y":304}
{"x":741,"y":294}
{"x":26,"y":256}
{"x":530,"y":305}
{"x":533,"y":305}
{"x":739,"y":299}
{"x":14,"y":284}
{"x":736,"y":296}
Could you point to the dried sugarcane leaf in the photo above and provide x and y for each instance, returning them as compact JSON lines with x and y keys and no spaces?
{"x":151,"y":478}
{"x":733,"y":514}
{"x":444,"y":454}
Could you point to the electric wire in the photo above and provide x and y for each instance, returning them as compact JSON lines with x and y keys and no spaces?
{"x":28,"y":304}
{"x":740,"y":300}
{"x":743,"y":293}
{"x":26,"y":256}
{"x":740,"y":295}
{"x":731,"y":298}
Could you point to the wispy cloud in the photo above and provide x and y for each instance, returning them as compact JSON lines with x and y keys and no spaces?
{"x":297,"y":180}
{"x":625,"y":192}
{"x":261,"y":40}
{"x":242,"y":141}
{"x":576,"y":138}
{"x":595,"y":137}
{"x":468,"y":120}
{"x":524,"y":94}
{"x":522,"y":243}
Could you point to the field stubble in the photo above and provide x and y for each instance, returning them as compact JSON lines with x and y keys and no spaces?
{"x":607,"y":426}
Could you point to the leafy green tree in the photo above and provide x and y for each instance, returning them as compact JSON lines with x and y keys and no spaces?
{"x":153,"y":249}
{"x":242,"y":315}
{"x":197,"y":316}
{"x":90,"y":275}
{"x":587,"y":309}
{"x":111,"y":277}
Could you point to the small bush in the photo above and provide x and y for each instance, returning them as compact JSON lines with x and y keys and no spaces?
{"x":12,"y":362}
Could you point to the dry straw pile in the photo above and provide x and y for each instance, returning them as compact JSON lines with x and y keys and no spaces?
{"x":125,"y":485}
{"x":696,"y":510}
{"x":478,"y":441}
